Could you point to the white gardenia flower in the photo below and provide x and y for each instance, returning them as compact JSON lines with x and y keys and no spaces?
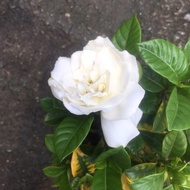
{"x":101,"y":78}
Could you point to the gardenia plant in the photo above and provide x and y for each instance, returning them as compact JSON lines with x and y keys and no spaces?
{"x":120,"y":124}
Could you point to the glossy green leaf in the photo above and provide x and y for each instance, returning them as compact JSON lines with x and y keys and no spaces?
{"x":80,"y":164}
{"x":70,"y":134}
{"x":86,"y":180}
{"x":187,"y":50}
{"x":75,"y":182}
{"x":128,"y":35}
{"x":160,"y":123}
{"x":107,"y":179}
{"x":145,"y":176}
{"x":53,"y":171}
{"x":141,"y":170}
{"x":123,"y":162}
{"x":178,"y":111}
{"x":150,"y":103}
{"x":174,"y":144}
{"x":63,"y":182}
{"x":51,"y":105}
{"x":59,"y":176}
{"x":153,"y":140}
{"x":53,"y":119}
{"x":164,"y":58}
{"x":151,"y":81}
{"x":55,"y":111}
{"x":93,"y":151}
{"x":136,"y":147}
{"x":49,"y":142}
{"x":155,"y":181}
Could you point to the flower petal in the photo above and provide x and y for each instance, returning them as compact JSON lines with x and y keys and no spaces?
{"x":87,"y":59}
{"x":61,"y":68}
{"x":99,"y":42}
{"x":72,"y":108}
{"x":56,"y":88}
{"x":75,"y":61}
{"x":118,"y":132}
{"x":128,"y":105}
{"x":132,"y":66}
{"x":137,"y":116}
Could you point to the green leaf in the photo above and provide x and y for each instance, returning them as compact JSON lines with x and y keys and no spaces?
{"x":174,"y":144}
{"x":51,"y":105}
{"x":53,"y":119}
{"x":170,"y":187}
{"x":141,"y":170}
{"x":59,"y":175}
{"x":153,"y":140}
{"x":178,"y":111}
{"x":63,"y":182}
{"x":187,"y":50}
{"x":107,"y":179}
{"x":136,"y":146}
{"x":55,"y":111}
{"x":123,"y":162}
{"x":186,"y":157}
{"x":160,"y":123}
{"x":70,"y":134}
{"x":145,"y":176}
{"x":151,"y":81}
{"x":87,"y":180}
{"x":149,"y":182}
{"x":165,"y":58}
{"x":186,"y":170}
{"x":187,"y":132}
{"x":53,"y":171}
{"x":128,"y":35}
{"x":93,"y":151}
{"x":150,"y":103}
{"x":181,"y":179}
{"x":49,"y":142}
{"x":80,"y":164}
{"x":75,"y":182}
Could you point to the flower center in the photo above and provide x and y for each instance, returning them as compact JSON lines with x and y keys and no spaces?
{"x":101,"y":87}
{"x":94,"y":76}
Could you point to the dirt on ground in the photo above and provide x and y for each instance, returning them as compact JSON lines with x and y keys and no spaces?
{"x":33,"y":34}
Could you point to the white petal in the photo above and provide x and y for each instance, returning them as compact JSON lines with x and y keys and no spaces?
{"x":72,"y":108}
{"x":87,"y":60}
{"x":75,"y":60}
{"x":56,"y":89}
{"x":107,"y":59}
{"x":128,"y":105}
{"x":118,"y":132}
{"x":136,"y":117}
{"x":132,"y":66}
{"x":99,"y":42}
{"x":78,"y":109}
{"x":68,"y":83}
{"x":61,"y":68}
